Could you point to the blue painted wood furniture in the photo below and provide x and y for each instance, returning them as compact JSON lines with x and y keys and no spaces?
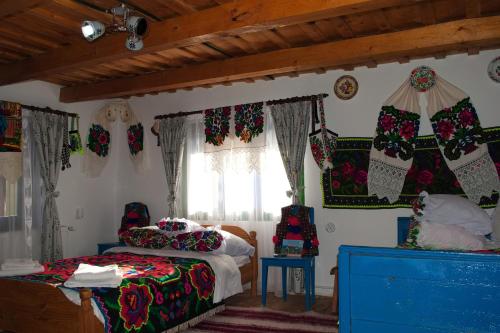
{"x":395,"y":290}
{"x":101,"y":247}
{"x":307,"y":263}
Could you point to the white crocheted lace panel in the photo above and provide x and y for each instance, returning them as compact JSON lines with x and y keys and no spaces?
{"x":11,"y":166}
{"x":385,"y":180}
{"x":478,"y":178}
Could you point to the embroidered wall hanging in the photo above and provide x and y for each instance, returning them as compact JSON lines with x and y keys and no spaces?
{"x":10,"y":127}
{"x":248,"y":121}
{"x":457,"y":129}
{"x":99,"y":138}
{"x":217,"y":125}
{"x":345,"y":185}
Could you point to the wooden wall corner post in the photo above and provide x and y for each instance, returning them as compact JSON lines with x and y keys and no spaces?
{"x":86,"y":322}
{"x":255,"y":263}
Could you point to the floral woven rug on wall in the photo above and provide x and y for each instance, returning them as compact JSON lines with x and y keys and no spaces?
{"x":345,"y":185}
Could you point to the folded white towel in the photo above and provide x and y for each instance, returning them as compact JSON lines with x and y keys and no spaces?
{"x":15,"y":263}
{"x":107,"y":283}
{"x":87,"y":272}
{"x":21,"y":271}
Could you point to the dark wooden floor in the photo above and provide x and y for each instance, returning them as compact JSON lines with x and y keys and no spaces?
{"x":294,"y":303}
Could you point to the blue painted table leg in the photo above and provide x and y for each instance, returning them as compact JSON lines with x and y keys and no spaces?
{"x":283,"y":281}
{"x":264,"y":283}
{"x":313,"y":281}
{"x":307,"y":273}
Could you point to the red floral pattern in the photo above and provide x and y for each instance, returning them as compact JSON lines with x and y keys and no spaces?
{"x":458,"y":130}
{"x":396,"y":132}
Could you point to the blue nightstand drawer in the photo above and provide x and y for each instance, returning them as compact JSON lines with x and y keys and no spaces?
{"x":101,"y":247}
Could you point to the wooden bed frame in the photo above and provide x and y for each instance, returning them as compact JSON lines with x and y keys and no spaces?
{"x":27,"y":307}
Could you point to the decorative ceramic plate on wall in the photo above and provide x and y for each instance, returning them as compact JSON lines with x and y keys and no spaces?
{"x":345,"y":87}
{"x":494,"y":69}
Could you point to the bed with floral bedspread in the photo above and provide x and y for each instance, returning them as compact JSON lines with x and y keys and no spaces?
{"x":156,"y":294}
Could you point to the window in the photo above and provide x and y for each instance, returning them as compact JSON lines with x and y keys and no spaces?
{"x":9,"y":197}
{"x":244,"y":185}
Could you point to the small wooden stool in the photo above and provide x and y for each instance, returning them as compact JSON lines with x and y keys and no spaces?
{"x":335,"y":297}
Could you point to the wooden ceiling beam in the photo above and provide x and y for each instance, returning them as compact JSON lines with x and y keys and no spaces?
{"x":12,"y":7}
{"x":418,"y":42}
{"x":231,"y":18}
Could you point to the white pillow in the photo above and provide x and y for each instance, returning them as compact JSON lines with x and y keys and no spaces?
{"x":232,"y":244}
{"x":448,"y":237}
{"x":453,"y":209}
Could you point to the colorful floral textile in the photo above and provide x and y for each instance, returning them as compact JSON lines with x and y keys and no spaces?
{"x":345,"y":186}
{"x":156,"y":294}
{"x":248,"y":121}
{"x":457,"y":129}
{"x":217,"y":125}
{"x":295,"y":225}
{"x":10,"y":127}
{"x":322,"y":141}
{"x":135,"y":134}
{"x":396,"y":132}
{"x":172,"y":226}
{"x":200,"y":241}
{"x":98,"y":140}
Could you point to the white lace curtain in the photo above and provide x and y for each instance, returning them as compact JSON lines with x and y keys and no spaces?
{"x":20,"y":198}
{"x":235,"y":192}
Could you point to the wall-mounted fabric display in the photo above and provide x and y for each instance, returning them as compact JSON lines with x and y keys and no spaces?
{"x":99,"y":138}
{"x":322,"y":141}
{"x":172,"y":136}
{"x":345,"y":185}
{"x":456,"y":127}
{"x":75,"y":141}
{"x":10,"y":127}
{"x":233,"y":137}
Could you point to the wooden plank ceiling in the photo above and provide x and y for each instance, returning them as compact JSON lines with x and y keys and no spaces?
{"x":193,"y":43}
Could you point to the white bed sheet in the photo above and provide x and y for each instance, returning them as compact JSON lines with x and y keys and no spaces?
{"x":227,"y":273}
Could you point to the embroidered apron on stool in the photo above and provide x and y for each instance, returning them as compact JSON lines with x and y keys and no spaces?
{"x":455,"y":125}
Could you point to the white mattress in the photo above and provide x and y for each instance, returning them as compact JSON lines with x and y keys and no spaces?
{"x":227,"y":274}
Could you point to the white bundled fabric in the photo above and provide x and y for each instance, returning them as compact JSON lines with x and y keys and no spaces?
{"x":87,"y":272}
{"x":16,"y":267}
{"x":91,"y":276}
{"x":455,"y":210}
{"x":448,"y":237}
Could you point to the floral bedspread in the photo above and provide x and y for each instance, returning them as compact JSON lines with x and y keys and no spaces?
{"x":157,"y":293}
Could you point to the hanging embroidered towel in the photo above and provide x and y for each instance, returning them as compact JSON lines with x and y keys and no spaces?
{"x":323,"y":141}
{"x":75,"y":141}
{"x":10,"y":127}
{"x":99,"y":138}
{"x":457,"y":129}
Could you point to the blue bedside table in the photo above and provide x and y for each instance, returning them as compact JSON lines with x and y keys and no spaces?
{"x":307,"y":263}
{"x":101,"y":247}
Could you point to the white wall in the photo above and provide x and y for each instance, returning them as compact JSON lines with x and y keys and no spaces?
{"x":103,"y":198}
{"x":93,"y":195}
{"x":356,"y":117}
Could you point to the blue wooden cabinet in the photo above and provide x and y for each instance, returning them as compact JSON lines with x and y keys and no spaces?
{"x":394,"y":290}
{"x":101,"y":247}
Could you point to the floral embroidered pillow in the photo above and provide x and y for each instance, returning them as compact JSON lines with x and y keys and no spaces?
{"x":200,"y":241}
{"x":148,"y":237}
{"x":176,"y":226}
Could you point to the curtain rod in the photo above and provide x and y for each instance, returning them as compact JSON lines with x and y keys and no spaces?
{"x":49,"y":110}
{"x":273,"y":102}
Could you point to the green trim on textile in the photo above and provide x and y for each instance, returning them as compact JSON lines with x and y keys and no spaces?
{"x":344,"y":186}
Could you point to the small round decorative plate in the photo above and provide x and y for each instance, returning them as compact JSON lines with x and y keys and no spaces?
{"x":494,"y":69}
{"x":345,"y":87}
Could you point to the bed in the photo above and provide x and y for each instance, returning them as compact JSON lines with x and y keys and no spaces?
{"x":400,"y":290}
{"x":39,"y":307}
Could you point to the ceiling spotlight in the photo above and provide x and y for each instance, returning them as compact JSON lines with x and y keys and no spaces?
{"x":136,"y":26}
{"x":92,"y":30}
